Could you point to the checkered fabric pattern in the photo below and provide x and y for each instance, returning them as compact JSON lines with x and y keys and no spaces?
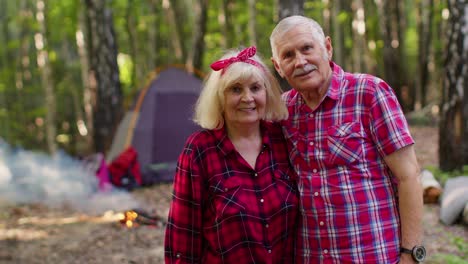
{"x":225,"y":211}
{"x":349,"y":207}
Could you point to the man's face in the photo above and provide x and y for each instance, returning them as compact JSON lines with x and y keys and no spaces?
{"x":302,"y":60}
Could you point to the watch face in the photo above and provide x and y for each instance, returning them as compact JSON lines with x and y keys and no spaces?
{"x":419,"y":253}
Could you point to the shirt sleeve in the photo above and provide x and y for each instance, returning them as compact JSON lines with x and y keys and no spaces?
{"x":183,"y":241}
{"x":388,"y":124}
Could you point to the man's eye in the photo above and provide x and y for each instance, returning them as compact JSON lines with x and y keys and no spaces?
{"x":287,"y":55}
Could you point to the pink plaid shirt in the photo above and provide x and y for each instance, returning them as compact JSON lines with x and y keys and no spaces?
{"x":349,"y":207}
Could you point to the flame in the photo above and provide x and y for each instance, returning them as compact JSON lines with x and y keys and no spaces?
{"x":128,"y":218}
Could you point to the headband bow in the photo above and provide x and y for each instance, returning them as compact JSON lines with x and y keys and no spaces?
{"x":243,"y":56}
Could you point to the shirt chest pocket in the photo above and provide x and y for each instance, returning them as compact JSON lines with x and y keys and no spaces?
{"x":345,"y":143}
{"x":228,"y":197}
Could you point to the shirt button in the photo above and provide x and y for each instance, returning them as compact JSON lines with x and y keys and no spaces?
{"x":261,"y":200}
{"x":269,"y":251}
{"x":178,"y":255}
{"x":311,"y":143}
{"x":316,"y":193}
{"x":311,"y":115}
{"x":256,"y":174}
{"x":266,"y":225}
{"x":226,"y":189}
{"x":321,"y":223}
{"x":314,"y":170}
{"x":325,"y":251}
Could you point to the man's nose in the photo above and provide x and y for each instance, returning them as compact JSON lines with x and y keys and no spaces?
{"x":300,"y":60}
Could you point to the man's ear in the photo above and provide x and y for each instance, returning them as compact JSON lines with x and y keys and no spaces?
{"x":277,"y":68}
{"x":329,"y":47}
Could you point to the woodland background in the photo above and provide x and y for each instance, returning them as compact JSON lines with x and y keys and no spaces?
{"x":69,"y":69}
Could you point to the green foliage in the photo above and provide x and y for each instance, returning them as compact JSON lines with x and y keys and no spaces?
{"x":22,"y":94}
{"x":443,"y":176}
{"x":449,"y":259}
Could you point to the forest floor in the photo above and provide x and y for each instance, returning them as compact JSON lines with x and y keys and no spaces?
{"x":35,"y":233}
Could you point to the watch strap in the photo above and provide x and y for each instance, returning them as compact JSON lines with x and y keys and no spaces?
{"x":405,"y":250}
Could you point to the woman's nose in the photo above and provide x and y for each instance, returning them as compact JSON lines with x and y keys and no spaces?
{"x":247,"y":95}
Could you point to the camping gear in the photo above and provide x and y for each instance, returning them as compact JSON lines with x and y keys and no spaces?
{"x":96,"y":164}
{"x":431,"y":187}
{"x":125,"y":170}
{"x":159,"y":123}
{"x":454,"y":199}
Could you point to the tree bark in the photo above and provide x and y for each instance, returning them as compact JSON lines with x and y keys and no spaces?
{"x":389,"y":14}
{"x":226,"y":23}
{"x":290,"y":7}
{"x":359,"y":51}
{"x":46,"y":77}
{"x":338,"y":34}
{"x":424,"y":44}
{"x":252,"y":23}
{"x":85,"y":126}
{"x":195,"y":59}
{"x":132,"y":40}
{"x":453,"y":127}
{"x":175,"y":32}
{"x":104,"y":73}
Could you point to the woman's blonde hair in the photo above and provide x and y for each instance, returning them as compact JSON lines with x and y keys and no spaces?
{"x":209,"y":108}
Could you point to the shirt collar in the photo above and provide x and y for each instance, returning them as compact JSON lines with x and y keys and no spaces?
{"x":337,"y":83}
{"x":225,"y":144}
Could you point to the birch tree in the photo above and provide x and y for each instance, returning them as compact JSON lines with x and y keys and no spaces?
{"x":104,"y":72}
{"x":453,"y":130}
{"x":40,"y":40}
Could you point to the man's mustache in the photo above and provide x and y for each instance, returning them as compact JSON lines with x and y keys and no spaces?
{"x":304,"y":70}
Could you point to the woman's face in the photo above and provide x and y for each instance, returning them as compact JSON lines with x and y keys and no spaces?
{"x":244,"y":102}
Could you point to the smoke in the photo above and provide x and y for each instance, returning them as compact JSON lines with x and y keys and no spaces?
{"x":58,"y":180}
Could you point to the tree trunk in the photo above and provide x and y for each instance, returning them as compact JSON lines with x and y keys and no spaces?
{"x":338,"y":34}
{"x":175,"y":31}
{"x":359,"y":52}
{"x":226,"y":23}
{"x":85,"y":126}
{"x":290,"y":7}
{"x":425,"y":37}
{"x":132,"y":40}
{"x":104,"y":73}
{"x":153,"y":36}
{"x":46,"y":78}
{"x":195,"y":60}
{"x":252,"y":23}
{"x":453,"y":127}
{"x":389,"y":27}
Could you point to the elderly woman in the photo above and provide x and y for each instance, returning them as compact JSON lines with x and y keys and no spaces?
{"x":235,"y":197}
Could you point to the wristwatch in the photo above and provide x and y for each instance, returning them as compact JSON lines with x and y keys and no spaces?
{"x":418,"y":253}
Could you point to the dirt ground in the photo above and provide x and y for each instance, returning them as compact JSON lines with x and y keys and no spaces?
{"x":38,"y":234}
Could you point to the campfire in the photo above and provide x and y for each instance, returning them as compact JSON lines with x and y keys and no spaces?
{"x":136,"y":217}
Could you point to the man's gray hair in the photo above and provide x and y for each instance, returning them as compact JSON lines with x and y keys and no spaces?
{"x":290,"y":22}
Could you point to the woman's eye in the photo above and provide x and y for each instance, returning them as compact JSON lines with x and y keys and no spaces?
{"x":256,"y":88}
{"x":235,"y":89}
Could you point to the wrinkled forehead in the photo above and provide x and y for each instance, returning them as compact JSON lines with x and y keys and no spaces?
{"x":298,"y":36}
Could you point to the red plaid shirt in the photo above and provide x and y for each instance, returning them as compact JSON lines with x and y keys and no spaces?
{"x":349,"y":209}
{"x":224,"y":211}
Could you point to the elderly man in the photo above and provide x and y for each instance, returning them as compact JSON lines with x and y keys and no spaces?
{"x":348,"y":140}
